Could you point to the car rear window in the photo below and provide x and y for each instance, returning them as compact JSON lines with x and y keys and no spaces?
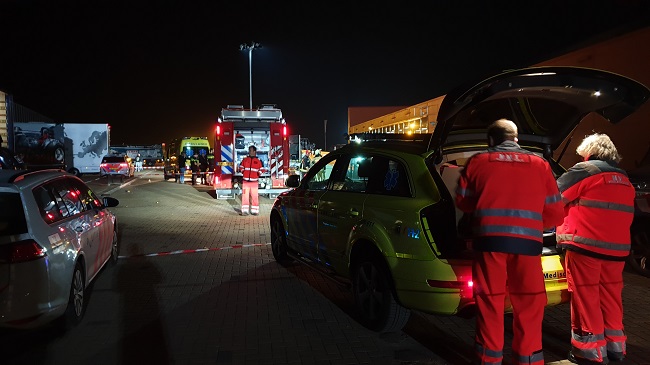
{"x":116,"y":159}
{"x":12,"y":215}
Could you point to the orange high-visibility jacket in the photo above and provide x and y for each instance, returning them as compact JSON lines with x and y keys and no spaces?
{"x":513,"y":196}
{"x":251,"y":167}
{"x":599,"y":206}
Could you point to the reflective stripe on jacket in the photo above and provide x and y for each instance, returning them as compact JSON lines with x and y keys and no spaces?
{"x":251,"y":168}
{"x":513,"y":196}
{"x":599,"y":206}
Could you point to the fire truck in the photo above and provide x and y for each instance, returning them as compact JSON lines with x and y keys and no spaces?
{"x":236,"y":130}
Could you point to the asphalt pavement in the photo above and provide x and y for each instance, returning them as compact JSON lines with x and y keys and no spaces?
{"x":197,"y":284}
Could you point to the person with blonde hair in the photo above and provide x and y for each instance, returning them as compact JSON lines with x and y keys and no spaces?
{"x":599,"y":206}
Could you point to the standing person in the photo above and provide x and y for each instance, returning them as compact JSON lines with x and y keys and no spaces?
{"x":599,"y":202}
{"x":194,"y":167}
{"x":181,"y":167}
{"x":250,"y":166}
{"x":203,"y":165}
{"x":138,"y":163}
{"x":211,"y":166}
{"x":512,"y":196}
{"x":304,"y":162}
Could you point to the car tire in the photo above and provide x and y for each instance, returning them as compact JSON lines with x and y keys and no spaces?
{"x":74,"y":171}
{"x":640,"y":253}
{"x":279,"y":246}
{"x":374,"y":299}
{"x":115,"y":249}
{"x":59,"y":154}
{"x":77,"y":299}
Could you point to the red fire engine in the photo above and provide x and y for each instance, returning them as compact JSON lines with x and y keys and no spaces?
{"x":237,"y":129}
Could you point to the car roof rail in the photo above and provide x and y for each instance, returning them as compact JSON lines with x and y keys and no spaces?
{"x":368,"y":136}
{"x":25,"y":173}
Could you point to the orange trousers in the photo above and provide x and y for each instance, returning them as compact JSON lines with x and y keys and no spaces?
{"x":496,"y":275}
{"x":249,"y":198}
{"x":596,"y":288}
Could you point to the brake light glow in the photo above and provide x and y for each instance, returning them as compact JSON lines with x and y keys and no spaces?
{"x":461,"y":284}
{"x":22,"y":251}
{"x":218,"y":130}
{"x":123,"y":165}
{"x":284,"y":130}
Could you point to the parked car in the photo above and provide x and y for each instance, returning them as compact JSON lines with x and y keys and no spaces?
{"x":116,"y":166}
{"x":55,"y":237}
{"x":380,"y":214}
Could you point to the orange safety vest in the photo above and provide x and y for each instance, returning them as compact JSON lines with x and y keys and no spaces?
{"x":599,"y":206}
{"x":251,"y":167}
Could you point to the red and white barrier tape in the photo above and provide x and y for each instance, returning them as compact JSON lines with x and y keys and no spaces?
{"x":178,"y":252}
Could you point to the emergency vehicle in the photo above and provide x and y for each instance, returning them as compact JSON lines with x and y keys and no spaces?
{"x":379,"y":216}
{"x":237,"y":129}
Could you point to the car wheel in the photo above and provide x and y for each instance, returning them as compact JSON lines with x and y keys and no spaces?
{"x":77,"y":301}
{"x":374,"y":299}
{"x":279,"y":242}
{"x":74,"y":171}
{"x":115,"y":249}
{"x":638,"y":259}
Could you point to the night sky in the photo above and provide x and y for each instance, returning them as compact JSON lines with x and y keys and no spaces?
{"x":158,"y":70}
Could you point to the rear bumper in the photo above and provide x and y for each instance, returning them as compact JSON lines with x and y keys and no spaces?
{"x":30,"y":300}
{"x":438,"y":287}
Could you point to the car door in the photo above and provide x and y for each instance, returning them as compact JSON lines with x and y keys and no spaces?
{"x":99,"y":237}
{"x":340,"y":209}
{"x":79,"y":221}
{"x":302,"y":208}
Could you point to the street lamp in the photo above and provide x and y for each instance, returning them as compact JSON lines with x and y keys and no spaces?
{"x":250,"y":49}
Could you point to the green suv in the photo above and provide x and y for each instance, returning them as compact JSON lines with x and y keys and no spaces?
{"x":379,"y":213}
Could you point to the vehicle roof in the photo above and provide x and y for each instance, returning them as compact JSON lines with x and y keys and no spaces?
{"x":408,"y":147}
{"x":122,"y":157}
{"x":27,"y":177}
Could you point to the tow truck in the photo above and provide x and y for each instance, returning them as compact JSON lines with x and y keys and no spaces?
{"x":236,"y":130}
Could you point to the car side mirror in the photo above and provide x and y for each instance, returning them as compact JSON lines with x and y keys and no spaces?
{"x":293,"y":181}
{"x":110,"y":202}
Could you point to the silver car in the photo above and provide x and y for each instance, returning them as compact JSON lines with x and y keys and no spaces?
{"x":55,"y":236}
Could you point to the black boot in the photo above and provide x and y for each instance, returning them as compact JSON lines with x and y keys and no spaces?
{"x":615,"y":356}
{"x":581,"y":361}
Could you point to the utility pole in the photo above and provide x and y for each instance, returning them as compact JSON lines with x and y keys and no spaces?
{"x":250,"y":48}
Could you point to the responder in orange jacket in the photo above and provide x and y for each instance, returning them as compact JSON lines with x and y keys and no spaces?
{"x":250,"y":167}
{"x":512,"y":196}
{"x":599,"y":203}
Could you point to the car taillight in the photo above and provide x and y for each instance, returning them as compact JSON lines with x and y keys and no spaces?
{"x":102,"y":165}
{"x":22,"y":251}
{"x":460,"y":284}
{"x":123,"y":165}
